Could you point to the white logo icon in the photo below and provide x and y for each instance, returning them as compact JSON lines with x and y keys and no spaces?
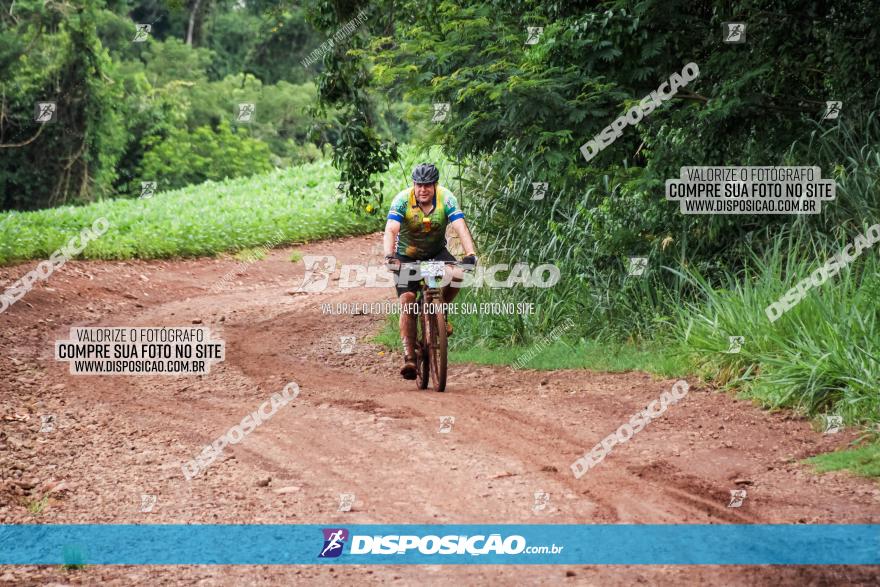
{"x":734,"y":32}
{"x":246,"y":112}
{"x":346,"y":500}
{"x":832,"y":110}
{"x":335,"y":542}
{"x":45,"y":112}
{"x":346,"y":345}
{"x":446,"y":423}
{"x":539,"y":190}
{"x":47,"y":423}
{"x":833,"y":424}
{"x":541,"y":501}
{"x":441,"y":110}
{"x":736,"y":343}
{"x":148,"y":502}
{"x":637,"y":265}
{"x":737,"y":497}
{"x":148,"y":189}
{"x":143,"y":31}
{"x":318,"y":271}
{"x":534,"y":33}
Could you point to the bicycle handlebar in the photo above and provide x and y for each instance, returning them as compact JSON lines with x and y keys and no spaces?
{"x":416,"y":264}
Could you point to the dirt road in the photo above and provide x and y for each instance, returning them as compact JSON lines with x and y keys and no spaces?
{"x":357,"y":428}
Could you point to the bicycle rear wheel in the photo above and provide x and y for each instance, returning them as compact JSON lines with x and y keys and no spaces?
{"x":437,"y":348}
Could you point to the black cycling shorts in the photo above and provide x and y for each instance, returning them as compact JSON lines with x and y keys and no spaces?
{"x":413,"y":285}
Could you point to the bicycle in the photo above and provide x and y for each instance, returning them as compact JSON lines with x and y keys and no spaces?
{"x":430,"y":348}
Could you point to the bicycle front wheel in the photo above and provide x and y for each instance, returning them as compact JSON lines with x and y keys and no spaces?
{"x":423,"y":356}
{"x":437,"y":349}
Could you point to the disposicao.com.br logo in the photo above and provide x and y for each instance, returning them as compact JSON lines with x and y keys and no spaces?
{"x":334,"y":541}
{"x":451,"y":544}
{"x":320,"y":270}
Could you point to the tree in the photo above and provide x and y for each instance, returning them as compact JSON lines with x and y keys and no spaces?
{"x":51,"y":54}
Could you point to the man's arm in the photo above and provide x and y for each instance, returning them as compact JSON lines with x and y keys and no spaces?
{"x":464,"y":236}
{"x":392,"y":229}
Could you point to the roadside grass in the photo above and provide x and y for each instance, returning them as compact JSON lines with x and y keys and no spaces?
{"x":822,"y":357}
{"x":593,"y":355}
{"x":864,"y":461}
{"x":295,"y":256}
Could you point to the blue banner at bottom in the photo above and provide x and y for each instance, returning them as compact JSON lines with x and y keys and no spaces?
{"x":544,"y":544}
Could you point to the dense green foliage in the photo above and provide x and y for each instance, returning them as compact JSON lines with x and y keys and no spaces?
{"x":54,"y":54}
{"x":519,"y":113}
{"x":129,"y":111}
{"x":209,"y":155}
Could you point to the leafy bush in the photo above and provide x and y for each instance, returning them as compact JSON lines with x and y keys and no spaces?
{"x":186,"y":158}
{"x":152,"y":114}
{"x":172,"y":60}
{"x":267,"y":39}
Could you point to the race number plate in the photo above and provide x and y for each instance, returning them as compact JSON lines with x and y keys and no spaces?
{"x":432,"y":268}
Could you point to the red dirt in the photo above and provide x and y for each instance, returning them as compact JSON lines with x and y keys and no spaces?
{"x":356,"y":427}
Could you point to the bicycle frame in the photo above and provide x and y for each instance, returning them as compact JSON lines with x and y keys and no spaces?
{"x":430,"y":347}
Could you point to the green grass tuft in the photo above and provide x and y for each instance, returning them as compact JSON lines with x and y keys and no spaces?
{"x":37,"y":506}
{"x":864,"y":461}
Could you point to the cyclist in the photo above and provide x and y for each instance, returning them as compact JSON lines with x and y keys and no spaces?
{"x":416,"y":231}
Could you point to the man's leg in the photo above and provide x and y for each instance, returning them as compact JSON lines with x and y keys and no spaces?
{"x":455,"y":276}
{"x":450,"y":291}
{"x":408,"y":334}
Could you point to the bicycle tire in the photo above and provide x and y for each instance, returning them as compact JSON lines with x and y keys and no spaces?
{"x":423,"y":373}
{"x":437,"y":346}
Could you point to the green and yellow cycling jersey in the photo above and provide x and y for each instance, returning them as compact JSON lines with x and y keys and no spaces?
{"x":422,"y":236}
